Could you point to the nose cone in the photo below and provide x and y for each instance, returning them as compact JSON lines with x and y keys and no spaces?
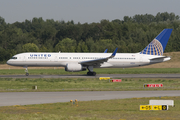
{"x":8,"y":62}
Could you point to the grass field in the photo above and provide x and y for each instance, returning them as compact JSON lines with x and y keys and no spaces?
{"x":98,"y":71}
{"x":84,"y":84}
{"x":118,"y":109}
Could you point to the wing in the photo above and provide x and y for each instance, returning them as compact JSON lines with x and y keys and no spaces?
{"x":97,"y":61}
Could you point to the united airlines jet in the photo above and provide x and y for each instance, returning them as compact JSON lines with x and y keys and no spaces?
{"x":73,"y":62}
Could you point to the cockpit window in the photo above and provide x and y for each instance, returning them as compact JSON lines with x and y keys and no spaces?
{"x":14,"y":58}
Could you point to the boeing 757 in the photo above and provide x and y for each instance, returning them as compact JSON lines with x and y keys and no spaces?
{"x":74,"y":62}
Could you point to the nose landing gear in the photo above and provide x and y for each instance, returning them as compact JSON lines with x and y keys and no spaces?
{"x":27,"y":74}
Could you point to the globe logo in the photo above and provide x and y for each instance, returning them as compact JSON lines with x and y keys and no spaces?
{"x":154,"y":48}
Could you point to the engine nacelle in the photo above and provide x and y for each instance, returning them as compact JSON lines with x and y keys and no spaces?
{"x":74,"y":67}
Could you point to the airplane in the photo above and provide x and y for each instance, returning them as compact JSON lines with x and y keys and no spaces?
{"x":74,"y":62}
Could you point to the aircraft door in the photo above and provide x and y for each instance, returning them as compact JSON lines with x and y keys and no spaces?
{"x":56,"y":59}
{"x":141,"y":58}
{"x":24,"y":58}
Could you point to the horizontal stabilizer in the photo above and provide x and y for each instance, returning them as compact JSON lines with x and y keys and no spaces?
{"x":157,"y":58}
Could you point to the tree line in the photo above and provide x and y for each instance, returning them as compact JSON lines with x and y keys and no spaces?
{"x":132,"y":34}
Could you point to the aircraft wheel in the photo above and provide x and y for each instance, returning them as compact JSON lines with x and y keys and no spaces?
{"x":27,"y":74}
{"x":94,"y":73}
{"x":88,"y":73}
{"x":91,"y":73}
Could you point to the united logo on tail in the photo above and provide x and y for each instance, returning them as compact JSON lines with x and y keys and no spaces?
{"x":158,"y":45}
{"x":154,"y":48}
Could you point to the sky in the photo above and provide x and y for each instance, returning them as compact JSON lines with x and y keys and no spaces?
{"x":83,"y":10}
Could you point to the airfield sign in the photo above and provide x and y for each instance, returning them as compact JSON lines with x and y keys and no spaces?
{"x":153,"y":85}
{"x":153,"y":107}
{"x":146,"y":107}
{"x":157,"y":107}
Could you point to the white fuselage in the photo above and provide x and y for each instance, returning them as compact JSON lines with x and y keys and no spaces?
{"x":121,"y":60}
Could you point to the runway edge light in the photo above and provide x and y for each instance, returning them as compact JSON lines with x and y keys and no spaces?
{"x":76,"y":102}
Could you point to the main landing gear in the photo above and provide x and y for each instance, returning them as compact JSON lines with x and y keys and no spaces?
{"x":91,"y":73}
{"x":26,"y":71}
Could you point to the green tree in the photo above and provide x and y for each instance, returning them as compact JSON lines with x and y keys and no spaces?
{"x":66,"y":45}
{"x":2,"y":23}
{"x":82,"y":47}
{"x":30,"y":47}
{"x":5,"y":54}
{"x":90,"y":45}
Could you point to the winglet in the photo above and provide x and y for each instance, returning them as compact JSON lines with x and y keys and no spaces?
{"x":106,"y":51}
{"x":114,"y":53}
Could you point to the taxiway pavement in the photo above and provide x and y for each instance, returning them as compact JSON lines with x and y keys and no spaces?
{"x":97,"y":76}
{"x":26,"y":98}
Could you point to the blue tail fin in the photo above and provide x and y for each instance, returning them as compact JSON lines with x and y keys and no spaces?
{"x":158,"y":45}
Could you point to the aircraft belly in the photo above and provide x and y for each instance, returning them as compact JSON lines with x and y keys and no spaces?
{"x":127,"y":64}
{"x":38,"y":63}
{"x":106,"y":65}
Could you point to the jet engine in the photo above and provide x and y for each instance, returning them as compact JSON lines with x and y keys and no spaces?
{"x":74,"y":67}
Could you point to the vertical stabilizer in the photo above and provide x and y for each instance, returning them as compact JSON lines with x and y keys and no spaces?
{"x":158,"y":45}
